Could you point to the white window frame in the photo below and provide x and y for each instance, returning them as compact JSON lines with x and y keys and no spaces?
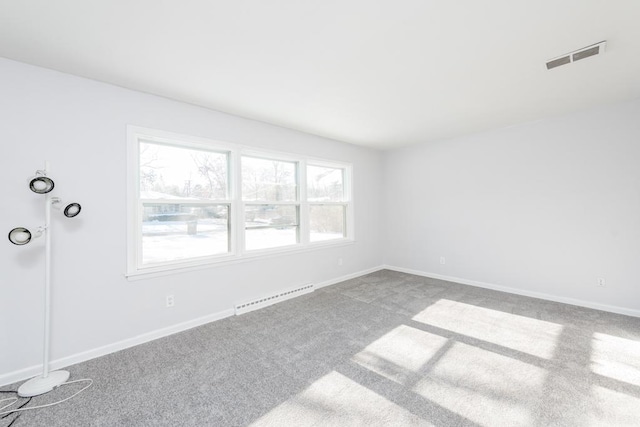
{"x":238,"y":253}
{"x":346,"y":198}
{"x":296,"y":203}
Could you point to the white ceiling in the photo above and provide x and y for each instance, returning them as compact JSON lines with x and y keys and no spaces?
{"x":380,"y":73}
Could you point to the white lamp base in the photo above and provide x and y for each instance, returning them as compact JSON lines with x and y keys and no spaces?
{"x":40,"y":385}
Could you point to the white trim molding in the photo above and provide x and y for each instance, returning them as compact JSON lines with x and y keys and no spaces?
{"x":22,"y":374}
{"x":348,"y":277}
{"x":234,"y":201}
{"x":516,"y":291}
{"x":29,"y":372}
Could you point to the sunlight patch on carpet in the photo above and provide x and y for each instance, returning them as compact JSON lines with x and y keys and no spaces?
{"x":337,"y":400}
{"x":617,"y":358}
{"x":613,"y":408}
{"x":481,"y":385}
{"x":525,"y":334}
{"x":399,"y":354}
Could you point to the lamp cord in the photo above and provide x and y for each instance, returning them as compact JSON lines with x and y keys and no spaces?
{"x":21,"y":408}
{"x":13,"y":400}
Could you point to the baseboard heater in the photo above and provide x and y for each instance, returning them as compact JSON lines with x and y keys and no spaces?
{"x":273,"y":299}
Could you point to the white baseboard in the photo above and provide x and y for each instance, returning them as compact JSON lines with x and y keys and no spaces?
{"x":348,"y":277}
{"x":32,"y":371}
{"x":23,"y":374}
{"x":523,"y":292}
{"x":63,"y":362}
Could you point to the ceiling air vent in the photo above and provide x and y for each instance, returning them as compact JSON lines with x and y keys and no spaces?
{"x":576,"y":55}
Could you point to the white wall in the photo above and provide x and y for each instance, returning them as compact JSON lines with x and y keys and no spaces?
{"x":543,"y":208}
{"x":546,"y":208}
{"x":79,"y":125}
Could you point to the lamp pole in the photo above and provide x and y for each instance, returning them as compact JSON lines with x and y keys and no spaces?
{"x":47,"y":280}
{"x":48,"y":380}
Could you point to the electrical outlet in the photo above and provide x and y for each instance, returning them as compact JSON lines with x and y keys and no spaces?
{"x":443,"y":260}
{"x":601,"y":282}
{"x":339,"y":261}
{"x":170,"y":301}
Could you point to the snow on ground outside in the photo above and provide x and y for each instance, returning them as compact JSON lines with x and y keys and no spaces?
{"x":169,"y":241}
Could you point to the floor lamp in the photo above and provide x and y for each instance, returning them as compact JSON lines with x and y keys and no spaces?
{"x":42,"y":184}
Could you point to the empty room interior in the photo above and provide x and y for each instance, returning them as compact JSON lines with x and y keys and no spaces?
{"x":296,"y":213}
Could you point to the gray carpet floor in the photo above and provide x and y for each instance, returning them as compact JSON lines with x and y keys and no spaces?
{"x":388,"y":349}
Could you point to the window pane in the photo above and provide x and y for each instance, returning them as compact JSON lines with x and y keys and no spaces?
{"x":172,"y":232}
{"x":270,"y":226}
{"x":268,"y":180}
{"x":325,"y":184}
{"x":327,"y":222}
{"x":168,"y":172}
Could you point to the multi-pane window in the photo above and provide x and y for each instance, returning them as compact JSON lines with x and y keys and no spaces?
{"x":271,"y":206}
{"x":184,"y":206}
{"x":327,"y":203}
{"x":194,"y":201}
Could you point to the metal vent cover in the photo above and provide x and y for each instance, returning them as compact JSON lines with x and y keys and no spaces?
{"x":576,"y":55}
{"x":558,"y":62}
{"x":586,"y":53}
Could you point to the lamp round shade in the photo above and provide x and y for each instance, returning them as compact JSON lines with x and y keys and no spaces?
{"x":19,"y":236}
{"x":72,"y":209}
{"x":41,"y":184}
